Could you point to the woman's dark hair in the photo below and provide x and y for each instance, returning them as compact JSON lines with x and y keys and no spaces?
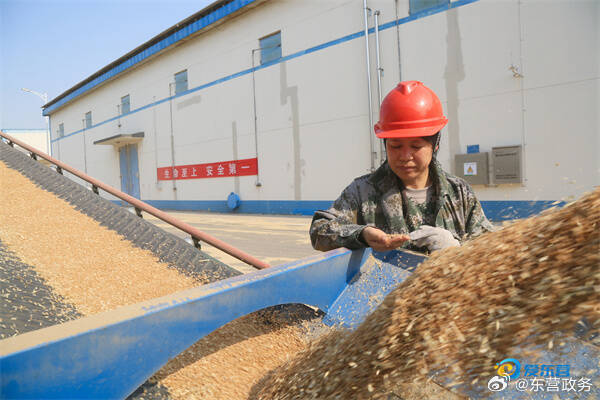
{"x":433,"y":139}
{"x":435,"y":142}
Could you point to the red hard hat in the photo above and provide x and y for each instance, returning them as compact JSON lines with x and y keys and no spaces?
{"x":411,"y":109}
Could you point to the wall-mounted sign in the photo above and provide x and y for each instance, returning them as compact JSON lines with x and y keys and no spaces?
{"x":221,"y":169}
{"x":470,"y":168}
{"x":472,"y":149}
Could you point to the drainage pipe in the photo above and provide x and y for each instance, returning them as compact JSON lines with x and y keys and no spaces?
{"x":372,"y":148}
{"x":172,"y":141}
{"x":379,"y":69}
{"x":258,"y":182}
{"x":84,"y":148}
{"x":398,"y":40}
{"x":379,"y":74}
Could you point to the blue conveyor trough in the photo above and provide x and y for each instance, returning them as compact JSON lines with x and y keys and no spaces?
{"x":109,"y":355}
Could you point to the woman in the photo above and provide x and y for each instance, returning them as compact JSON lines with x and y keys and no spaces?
{"x":409,"y":201}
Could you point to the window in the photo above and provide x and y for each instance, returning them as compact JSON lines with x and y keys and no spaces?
{"x":419,"y":5}
{"x":61,"y":130}
{"x":125,"y":107}
{"x":88,"y":120}
{"x":270,"y":48}
{"x":181,"y":82}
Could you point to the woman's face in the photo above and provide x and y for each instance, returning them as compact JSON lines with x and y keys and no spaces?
{"x":409,"y":158}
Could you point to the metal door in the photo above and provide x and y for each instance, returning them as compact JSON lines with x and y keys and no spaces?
{"x":130,"y":177}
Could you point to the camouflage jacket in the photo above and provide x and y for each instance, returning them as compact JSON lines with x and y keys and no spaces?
{"x":377,"y":199}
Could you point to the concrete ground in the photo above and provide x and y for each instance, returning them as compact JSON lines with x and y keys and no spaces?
{"x":275,"y":239}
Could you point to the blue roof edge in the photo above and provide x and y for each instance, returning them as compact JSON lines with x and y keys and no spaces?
{"x":186,"y":31}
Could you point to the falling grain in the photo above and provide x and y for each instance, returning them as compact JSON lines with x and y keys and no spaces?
{"x":465,"y":307}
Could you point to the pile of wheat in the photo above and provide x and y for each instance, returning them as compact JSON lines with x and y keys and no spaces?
{"x":462,"y":311}
{"x":95,"y":269}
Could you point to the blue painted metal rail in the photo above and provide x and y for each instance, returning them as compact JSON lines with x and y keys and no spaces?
{"x":109,"y":355}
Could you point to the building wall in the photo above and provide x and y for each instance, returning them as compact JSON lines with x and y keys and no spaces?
{"x":37,"y":138}
{"x":312,"y":109}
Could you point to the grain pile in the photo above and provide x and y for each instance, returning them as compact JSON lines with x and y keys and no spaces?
{"x":462,"y":311}
{"x":227,"y":363}
{"x":95,"y":269}
{"x":92,"y":267}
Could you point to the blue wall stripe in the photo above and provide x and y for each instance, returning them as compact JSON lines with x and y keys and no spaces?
{"x":245,"y":207}
{"x":507,"y":210}
{"x":494,"y":210}
{"x":422,"y":14}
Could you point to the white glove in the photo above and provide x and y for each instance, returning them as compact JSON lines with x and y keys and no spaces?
{"x":434,"y":238}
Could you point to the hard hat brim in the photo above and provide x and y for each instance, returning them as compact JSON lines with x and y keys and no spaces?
{"x":410,"y":132}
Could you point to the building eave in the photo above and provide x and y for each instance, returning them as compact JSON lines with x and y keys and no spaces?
{"x":209,"y":17}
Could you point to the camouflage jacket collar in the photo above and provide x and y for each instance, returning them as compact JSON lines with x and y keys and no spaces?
{"x":387,"y":183}
{"x":384,"y":177}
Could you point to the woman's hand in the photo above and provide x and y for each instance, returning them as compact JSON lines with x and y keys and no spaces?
{"x":381,"y":241}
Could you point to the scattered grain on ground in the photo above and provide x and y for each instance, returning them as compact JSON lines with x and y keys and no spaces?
{"x":252,"y":233}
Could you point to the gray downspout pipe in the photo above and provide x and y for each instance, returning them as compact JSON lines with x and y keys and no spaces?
{"x":379,"y":69}
{"x":84,"y":149}
{"x":48,"y":136}
{"x":258,"y":183}
{"x":57,"y":155}
{"x":174,"y":181}
{"x":372,"y":148}
{"x":379,"y":74}
{"x":398,"y":40}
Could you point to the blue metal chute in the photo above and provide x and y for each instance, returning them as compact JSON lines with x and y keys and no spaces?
{"x":110,"y":354}
{"x":378,"y":275}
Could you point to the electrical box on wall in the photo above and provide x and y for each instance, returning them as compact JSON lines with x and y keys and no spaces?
{"x":507,"y":162}
{"x":473,"y":168}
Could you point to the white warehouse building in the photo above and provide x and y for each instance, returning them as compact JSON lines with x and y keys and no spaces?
{"x":275,"y":101}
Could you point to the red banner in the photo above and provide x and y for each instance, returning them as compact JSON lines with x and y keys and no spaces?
{"x":221,"y":169}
